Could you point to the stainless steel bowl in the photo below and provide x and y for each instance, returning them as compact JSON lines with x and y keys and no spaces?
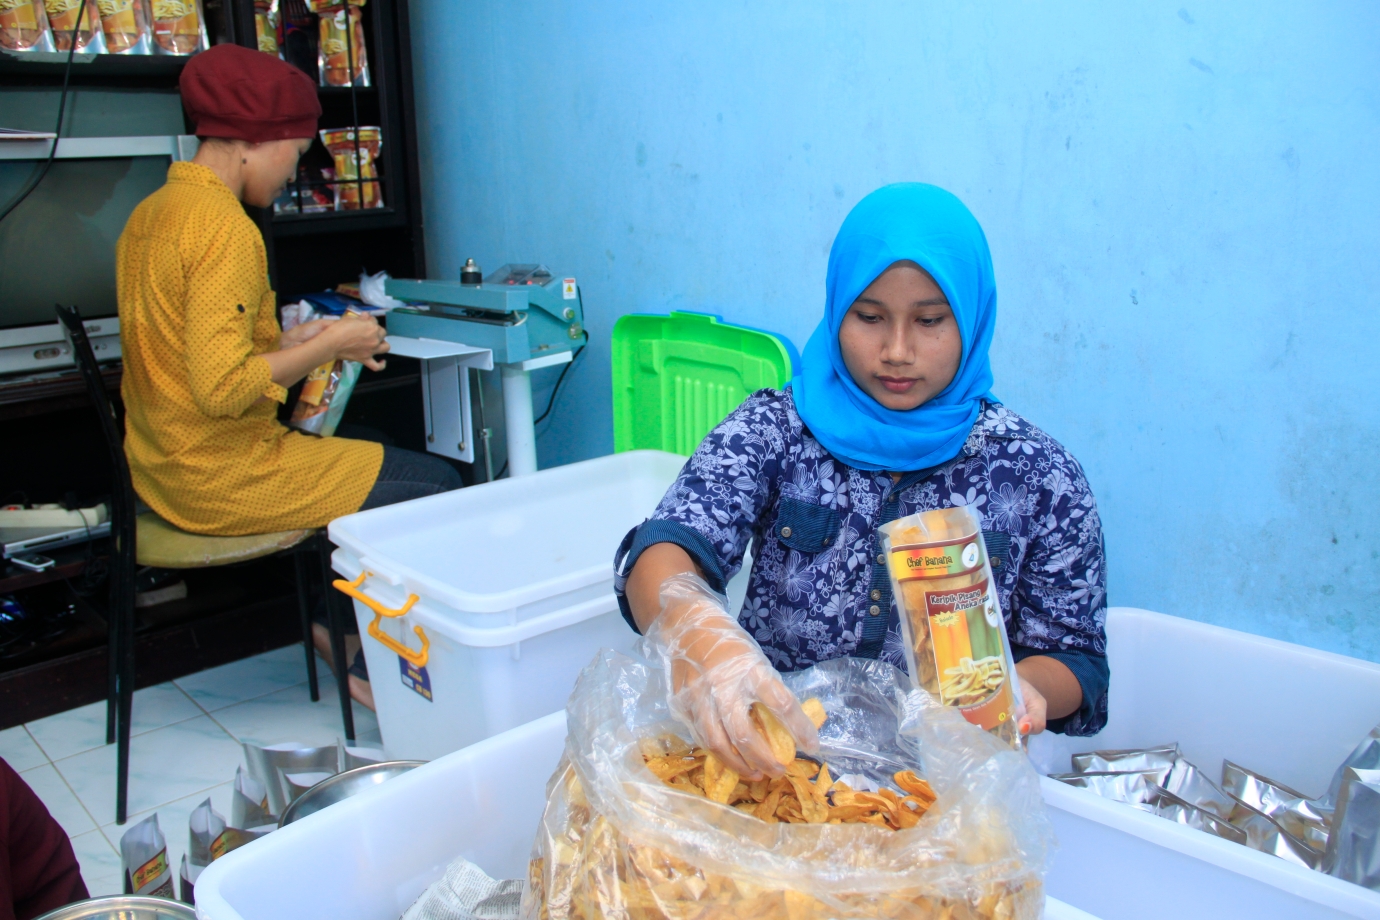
{"x":123,"y":907}
{"x":343,"y":785}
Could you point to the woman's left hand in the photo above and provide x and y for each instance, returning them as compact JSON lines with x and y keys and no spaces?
{"x":1032,"y":721}
{"x":303,"y":332}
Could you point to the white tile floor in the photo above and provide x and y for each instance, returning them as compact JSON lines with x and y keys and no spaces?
{"x":185,"y":747}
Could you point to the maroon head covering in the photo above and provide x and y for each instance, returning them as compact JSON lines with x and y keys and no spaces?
{"x":237,"y":92}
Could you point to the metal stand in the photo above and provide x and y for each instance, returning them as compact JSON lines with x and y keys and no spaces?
{"x":517,"y":411}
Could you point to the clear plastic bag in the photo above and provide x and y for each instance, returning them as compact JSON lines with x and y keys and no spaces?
{"x":617,"y":842}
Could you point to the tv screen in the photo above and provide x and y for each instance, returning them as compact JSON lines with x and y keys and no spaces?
{"x":59,"y":245}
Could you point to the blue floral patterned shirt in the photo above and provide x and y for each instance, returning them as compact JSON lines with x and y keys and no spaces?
{"x":819,"y":587}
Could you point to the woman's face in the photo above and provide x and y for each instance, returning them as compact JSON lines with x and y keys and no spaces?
{"x":899,"y":339}
{"x":269,"y":166}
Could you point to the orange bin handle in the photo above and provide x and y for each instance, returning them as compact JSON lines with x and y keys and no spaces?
{"x":351,"y":589}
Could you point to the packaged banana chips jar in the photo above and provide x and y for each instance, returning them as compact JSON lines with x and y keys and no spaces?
{"x":955,"y":635}
{"x":24,"y":26}
{"x":128,"y":26}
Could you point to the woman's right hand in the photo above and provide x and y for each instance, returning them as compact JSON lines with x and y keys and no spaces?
{"x":717,"y":673}
{"x":359,"y":338}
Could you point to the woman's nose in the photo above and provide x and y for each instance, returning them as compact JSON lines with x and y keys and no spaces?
{"x":897,"y":349}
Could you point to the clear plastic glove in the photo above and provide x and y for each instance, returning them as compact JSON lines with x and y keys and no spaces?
{"x":717,"y":673}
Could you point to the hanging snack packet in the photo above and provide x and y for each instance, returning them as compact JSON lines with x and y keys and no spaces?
{"x":62,"y":21}
{"x":24,"y":26}
{"x":266,"y":26}
{"x":144,"y":854}
{"x":179,"y":27}
{"x":341,"y":57}
{"x":127,"y":25}
{"x":355,"y":163}
{"x":956,"y":644}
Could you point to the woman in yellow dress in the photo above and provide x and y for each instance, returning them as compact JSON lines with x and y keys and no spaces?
{"x":205,"y":362}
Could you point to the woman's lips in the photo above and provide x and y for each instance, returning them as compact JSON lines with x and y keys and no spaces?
{"x":898,"y":384}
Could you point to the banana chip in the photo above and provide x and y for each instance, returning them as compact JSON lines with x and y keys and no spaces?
{"x":814,"y":711}
{"x":777,"y":735}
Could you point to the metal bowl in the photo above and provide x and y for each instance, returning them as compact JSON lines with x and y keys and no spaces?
{"x":343,"y":785}
{"x":123,"y":907}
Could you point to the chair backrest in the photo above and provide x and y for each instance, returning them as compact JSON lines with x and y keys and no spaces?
{"x":122,"y":509}
{"x":676,"y":377}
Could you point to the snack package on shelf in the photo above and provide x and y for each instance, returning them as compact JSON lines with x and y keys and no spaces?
{"x":144,"y":855}
{"x":355,"y":161}
{"x":24,"y":26}
{"x":179,"y":27}
{"x":266,"y":26}
{"x":951,"y":620}
{"x":341,"y":56}
{"x":640,"y":824}
{"x":127,"y":25}
{"x":62,"y":23}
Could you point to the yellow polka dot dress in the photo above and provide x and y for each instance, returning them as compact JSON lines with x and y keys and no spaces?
{"x":196,"y":312}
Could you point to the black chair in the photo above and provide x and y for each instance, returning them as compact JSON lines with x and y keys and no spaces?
{"x":146,"y":539}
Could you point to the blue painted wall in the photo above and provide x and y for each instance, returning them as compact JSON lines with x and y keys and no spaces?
{"x":1182,"y":205}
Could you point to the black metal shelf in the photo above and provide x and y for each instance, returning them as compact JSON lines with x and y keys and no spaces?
{"x":337,"y":221}
{"x":109,"y":70}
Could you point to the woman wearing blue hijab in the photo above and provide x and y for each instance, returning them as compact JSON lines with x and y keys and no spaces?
{"x":891,"y":413}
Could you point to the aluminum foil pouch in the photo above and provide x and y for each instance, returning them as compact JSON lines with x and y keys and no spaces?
{"x":1131,"y":788}
{"x":1127,"y":761}
{"x":1263,"y":834}
{"x":144,"y":854}
{"x":1366,"y":756}
{"x":1290,"y":809}
{"x":1170,"y":806}
{"x":1188,"y":783}
{"x":1353,"y":847}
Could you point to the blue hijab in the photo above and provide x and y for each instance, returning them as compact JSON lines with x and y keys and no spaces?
{"x":928,"y":226}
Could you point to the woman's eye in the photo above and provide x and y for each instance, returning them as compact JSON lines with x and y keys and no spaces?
{"x":930,"y":321}
{"x":867,"y":317}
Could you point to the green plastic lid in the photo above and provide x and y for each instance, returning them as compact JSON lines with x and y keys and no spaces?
{"x":676,"y":377}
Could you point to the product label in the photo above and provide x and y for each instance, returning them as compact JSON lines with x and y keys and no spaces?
{"x":415,"y":679}
{"x":150,"y":871}
{"x":936,"y":560}
{"x":568,"y":289}
{"x":966,"y":635}
{"x":315,"y":386}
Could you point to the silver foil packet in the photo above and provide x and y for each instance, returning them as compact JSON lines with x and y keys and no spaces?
{"x":1353,"y":847}
{"x":1188,"y":783}
{"x":1365,"y":756}
{"x":1263,"y":834}
{"x":270,"y":765}
{"x":1127,"y":761}
{"x":1131,"y":788}
{"x":1290,"y":809}
{"x":1170,"y":806}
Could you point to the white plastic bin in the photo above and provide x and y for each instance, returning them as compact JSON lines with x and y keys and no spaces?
{"x":369,"y":857}
{"x":514,"y":588}
{"x":1289,"y":712}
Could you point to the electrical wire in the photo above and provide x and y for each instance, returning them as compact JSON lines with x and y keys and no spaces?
{"x":557,"y":388}
{"x":57,"y":132}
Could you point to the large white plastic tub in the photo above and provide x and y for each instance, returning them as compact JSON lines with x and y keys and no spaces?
{"x":369,"y":857}
{"x":515,"y":587}
{"x":1286,"y":711}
